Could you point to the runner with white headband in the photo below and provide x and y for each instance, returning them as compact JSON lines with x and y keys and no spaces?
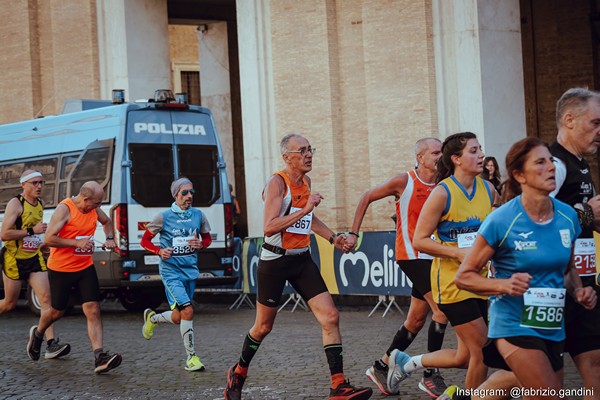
{"x":22,"y":257}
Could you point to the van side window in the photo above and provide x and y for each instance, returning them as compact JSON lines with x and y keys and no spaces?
{"x":151,"y":173}
{"x":95,"y":164}
{"x":63,"y":173}
{"x":199,"y":164}
{"x":11,"y":172}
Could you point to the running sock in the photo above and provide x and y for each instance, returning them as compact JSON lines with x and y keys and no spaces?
{"x":435,"y":336}
{"x":414,"y":364}
{"x":97,"y":352}
{"x":164,"y":317}
{"x":249,"y":349}
{"x":381,"y":366}
{"x":335,"y":360}
{"x":187,"y":333}
{"x":402,"y":340}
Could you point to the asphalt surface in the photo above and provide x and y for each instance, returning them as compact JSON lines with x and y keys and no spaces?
{"x":290,"y":364}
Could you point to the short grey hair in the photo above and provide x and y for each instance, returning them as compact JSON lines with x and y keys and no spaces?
{"x":575,"y":101}
{"x":421,"y":144}
{"x":284,"y":141}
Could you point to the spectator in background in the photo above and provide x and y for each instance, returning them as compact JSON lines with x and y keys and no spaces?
{"x":236,"y":212}
{"x":491,"y":172}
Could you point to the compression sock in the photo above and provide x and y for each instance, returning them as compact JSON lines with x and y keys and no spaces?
{"x":187,"y":333}
{"x":435,"y":339}
{"x":164,"y":317}
{"x":335,"y":360}
{"x":402,"y":340}
{"x":249,"y":349}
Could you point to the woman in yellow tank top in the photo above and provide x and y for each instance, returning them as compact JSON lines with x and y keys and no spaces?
{"x":453,"y":212}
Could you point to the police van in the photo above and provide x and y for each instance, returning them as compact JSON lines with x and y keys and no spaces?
{"x":135,"y":151}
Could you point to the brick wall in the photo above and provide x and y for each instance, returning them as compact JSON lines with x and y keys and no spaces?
{"x":50,"y":53}
{"x":357,"y":78}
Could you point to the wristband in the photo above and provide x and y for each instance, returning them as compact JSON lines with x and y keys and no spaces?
{"x":333,"y":235}
{"x":110,"y":237}
{"x":30,"y":232}
{"x":353,"y":233}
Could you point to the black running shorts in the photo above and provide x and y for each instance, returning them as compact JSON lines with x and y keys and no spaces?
{"x":418,"y":271}
{"x":465,"y":311}
{"x":21,"y":269}
{"x":582,"y":326}
{"x":299,"y":270}
{"x":85,"y":281}
{"x":553,"y":350}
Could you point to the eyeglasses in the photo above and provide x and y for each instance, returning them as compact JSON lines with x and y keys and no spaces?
{"x":304,"y":150}
{"x":36,"y":183}
{"x":186,"y":191}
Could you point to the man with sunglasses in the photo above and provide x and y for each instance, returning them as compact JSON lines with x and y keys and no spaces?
{"x":183,"y":231}
{"x":22,"y":256}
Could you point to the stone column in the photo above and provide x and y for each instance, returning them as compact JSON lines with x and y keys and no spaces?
{"x":479,"y":71}
{"x":133,"y":41}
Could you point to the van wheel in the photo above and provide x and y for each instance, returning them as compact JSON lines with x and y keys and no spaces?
{"x":137,"y":300}
{"x":33,"y":302}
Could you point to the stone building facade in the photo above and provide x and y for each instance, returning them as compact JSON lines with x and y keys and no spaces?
{"x":362,"y":79}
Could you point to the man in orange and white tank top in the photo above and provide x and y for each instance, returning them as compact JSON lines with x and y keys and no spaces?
{"x":410,"y":190}
{"x":285,"y":256}
{"x":70,"y":234}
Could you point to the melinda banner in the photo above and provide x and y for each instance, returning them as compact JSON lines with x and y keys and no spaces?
{"x":369,"y":270}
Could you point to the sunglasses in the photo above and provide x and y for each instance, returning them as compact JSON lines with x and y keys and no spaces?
{"x":186,"y":191}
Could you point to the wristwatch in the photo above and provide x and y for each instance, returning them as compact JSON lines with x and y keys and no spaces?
{"x":30,"y":232}
{"x":110,"y":237}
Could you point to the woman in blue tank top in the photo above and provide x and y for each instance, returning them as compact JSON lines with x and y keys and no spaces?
{"x":530,"y":242}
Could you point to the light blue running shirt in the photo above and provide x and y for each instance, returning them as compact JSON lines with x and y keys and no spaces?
{"x":543,"y":251}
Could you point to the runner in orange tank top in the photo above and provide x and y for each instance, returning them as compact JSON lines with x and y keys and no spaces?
{"x":70,"y":234}
{"x":285,"y":257}
{"x":410,"y":190}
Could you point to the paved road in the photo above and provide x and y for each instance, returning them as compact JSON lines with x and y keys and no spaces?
{"x":289,"y":365}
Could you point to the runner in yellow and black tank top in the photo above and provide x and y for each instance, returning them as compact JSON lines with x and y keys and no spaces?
{"x":27,"y":247}
{"x":458,"y":227}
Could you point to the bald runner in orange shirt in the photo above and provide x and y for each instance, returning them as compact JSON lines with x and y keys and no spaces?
{"x":70,"y":234}
{"x":410,"y":190}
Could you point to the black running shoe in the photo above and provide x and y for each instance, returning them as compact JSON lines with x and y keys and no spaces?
{"x":345,"y":391}
{"x":34,"y":345}
{"x":105,"y":362}
{"x":235,"y":382}
{"x":56,"y":350}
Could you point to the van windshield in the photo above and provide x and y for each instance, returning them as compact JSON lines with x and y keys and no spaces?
{"x":153,"y":167}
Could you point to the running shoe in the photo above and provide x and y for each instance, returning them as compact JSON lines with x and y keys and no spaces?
{"x":235,"y":382}
{"x":34,"y":345}
{"x":345,"y":391}
{"x":105,"y":362}
{"x":379,"y":378}
{"x":56,"y":349}
{"x":396,"y":373}
{"x":433,"y":384}
{"x":148,"y":328}
{"x":193,"y":363}
{"x":449,"y":393}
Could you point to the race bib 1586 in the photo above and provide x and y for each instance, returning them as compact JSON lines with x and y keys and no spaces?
{"x":544,"y":308}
